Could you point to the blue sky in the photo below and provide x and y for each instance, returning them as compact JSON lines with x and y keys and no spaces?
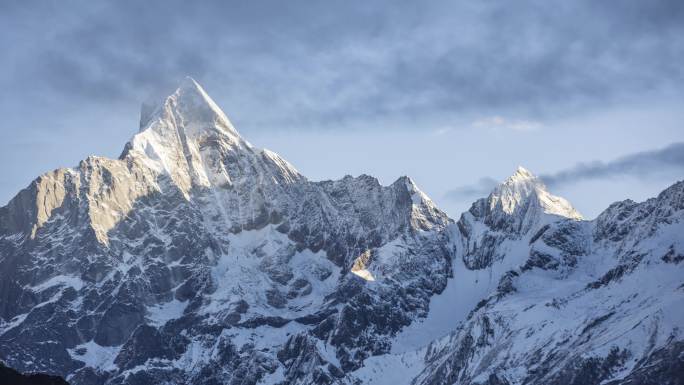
{"x":454,"y":94}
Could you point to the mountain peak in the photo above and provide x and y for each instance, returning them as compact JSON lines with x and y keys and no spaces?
{"x":516,"y":189}
{"x":190,"y":84}
{"x":522,"y":173}
{"x":523,"y":177}
{"x":186,"y":136}
{"x":191,"y":94}
{"x":523,"y":186}
{"x":189,"y":107}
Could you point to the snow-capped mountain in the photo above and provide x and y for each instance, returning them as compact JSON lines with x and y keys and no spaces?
{"x":198,"y":258}
{"x":590,"y":302}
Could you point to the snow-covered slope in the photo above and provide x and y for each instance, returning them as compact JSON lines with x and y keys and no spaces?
{"x":595,"y":302}
{"x":567,"y":302}
{"x":198,"y":258}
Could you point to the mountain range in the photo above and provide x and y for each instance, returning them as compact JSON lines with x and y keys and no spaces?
{"x":197,"y":258}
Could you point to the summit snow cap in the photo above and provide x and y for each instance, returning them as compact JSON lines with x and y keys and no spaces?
{"x":522,"y":187}
{"x":189,"y":138}
{"x":522,"y":173}
{"x":189,"y":107}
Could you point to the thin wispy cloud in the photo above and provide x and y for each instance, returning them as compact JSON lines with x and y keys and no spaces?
{"x":496,"y":123}
{"x":476,"y":190}
{"x":648,"y":164}
{"x":442,"y":131}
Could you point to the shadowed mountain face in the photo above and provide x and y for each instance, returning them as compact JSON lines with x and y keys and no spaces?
{"x":198,"y":258}
{"x":10,"y":376}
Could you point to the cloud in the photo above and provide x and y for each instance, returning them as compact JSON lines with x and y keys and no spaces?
{"x":499,"y":123}
{"x":483,"y":187}
{"x":298,"y":64}
{"x":663,"y":162}
{"x":647,"y":164}
{"x":442,"y":131}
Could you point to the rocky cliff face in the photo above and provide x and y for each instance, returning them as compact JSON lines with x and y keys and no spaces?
{"x":198,"y":258}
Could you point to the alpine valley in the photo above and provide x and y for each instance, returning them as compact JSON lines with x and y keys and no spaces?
{"x":196,"y":258}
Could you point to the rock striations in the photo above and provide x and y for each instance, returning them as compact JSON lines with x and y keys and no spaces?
{"x":196,"y":258}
